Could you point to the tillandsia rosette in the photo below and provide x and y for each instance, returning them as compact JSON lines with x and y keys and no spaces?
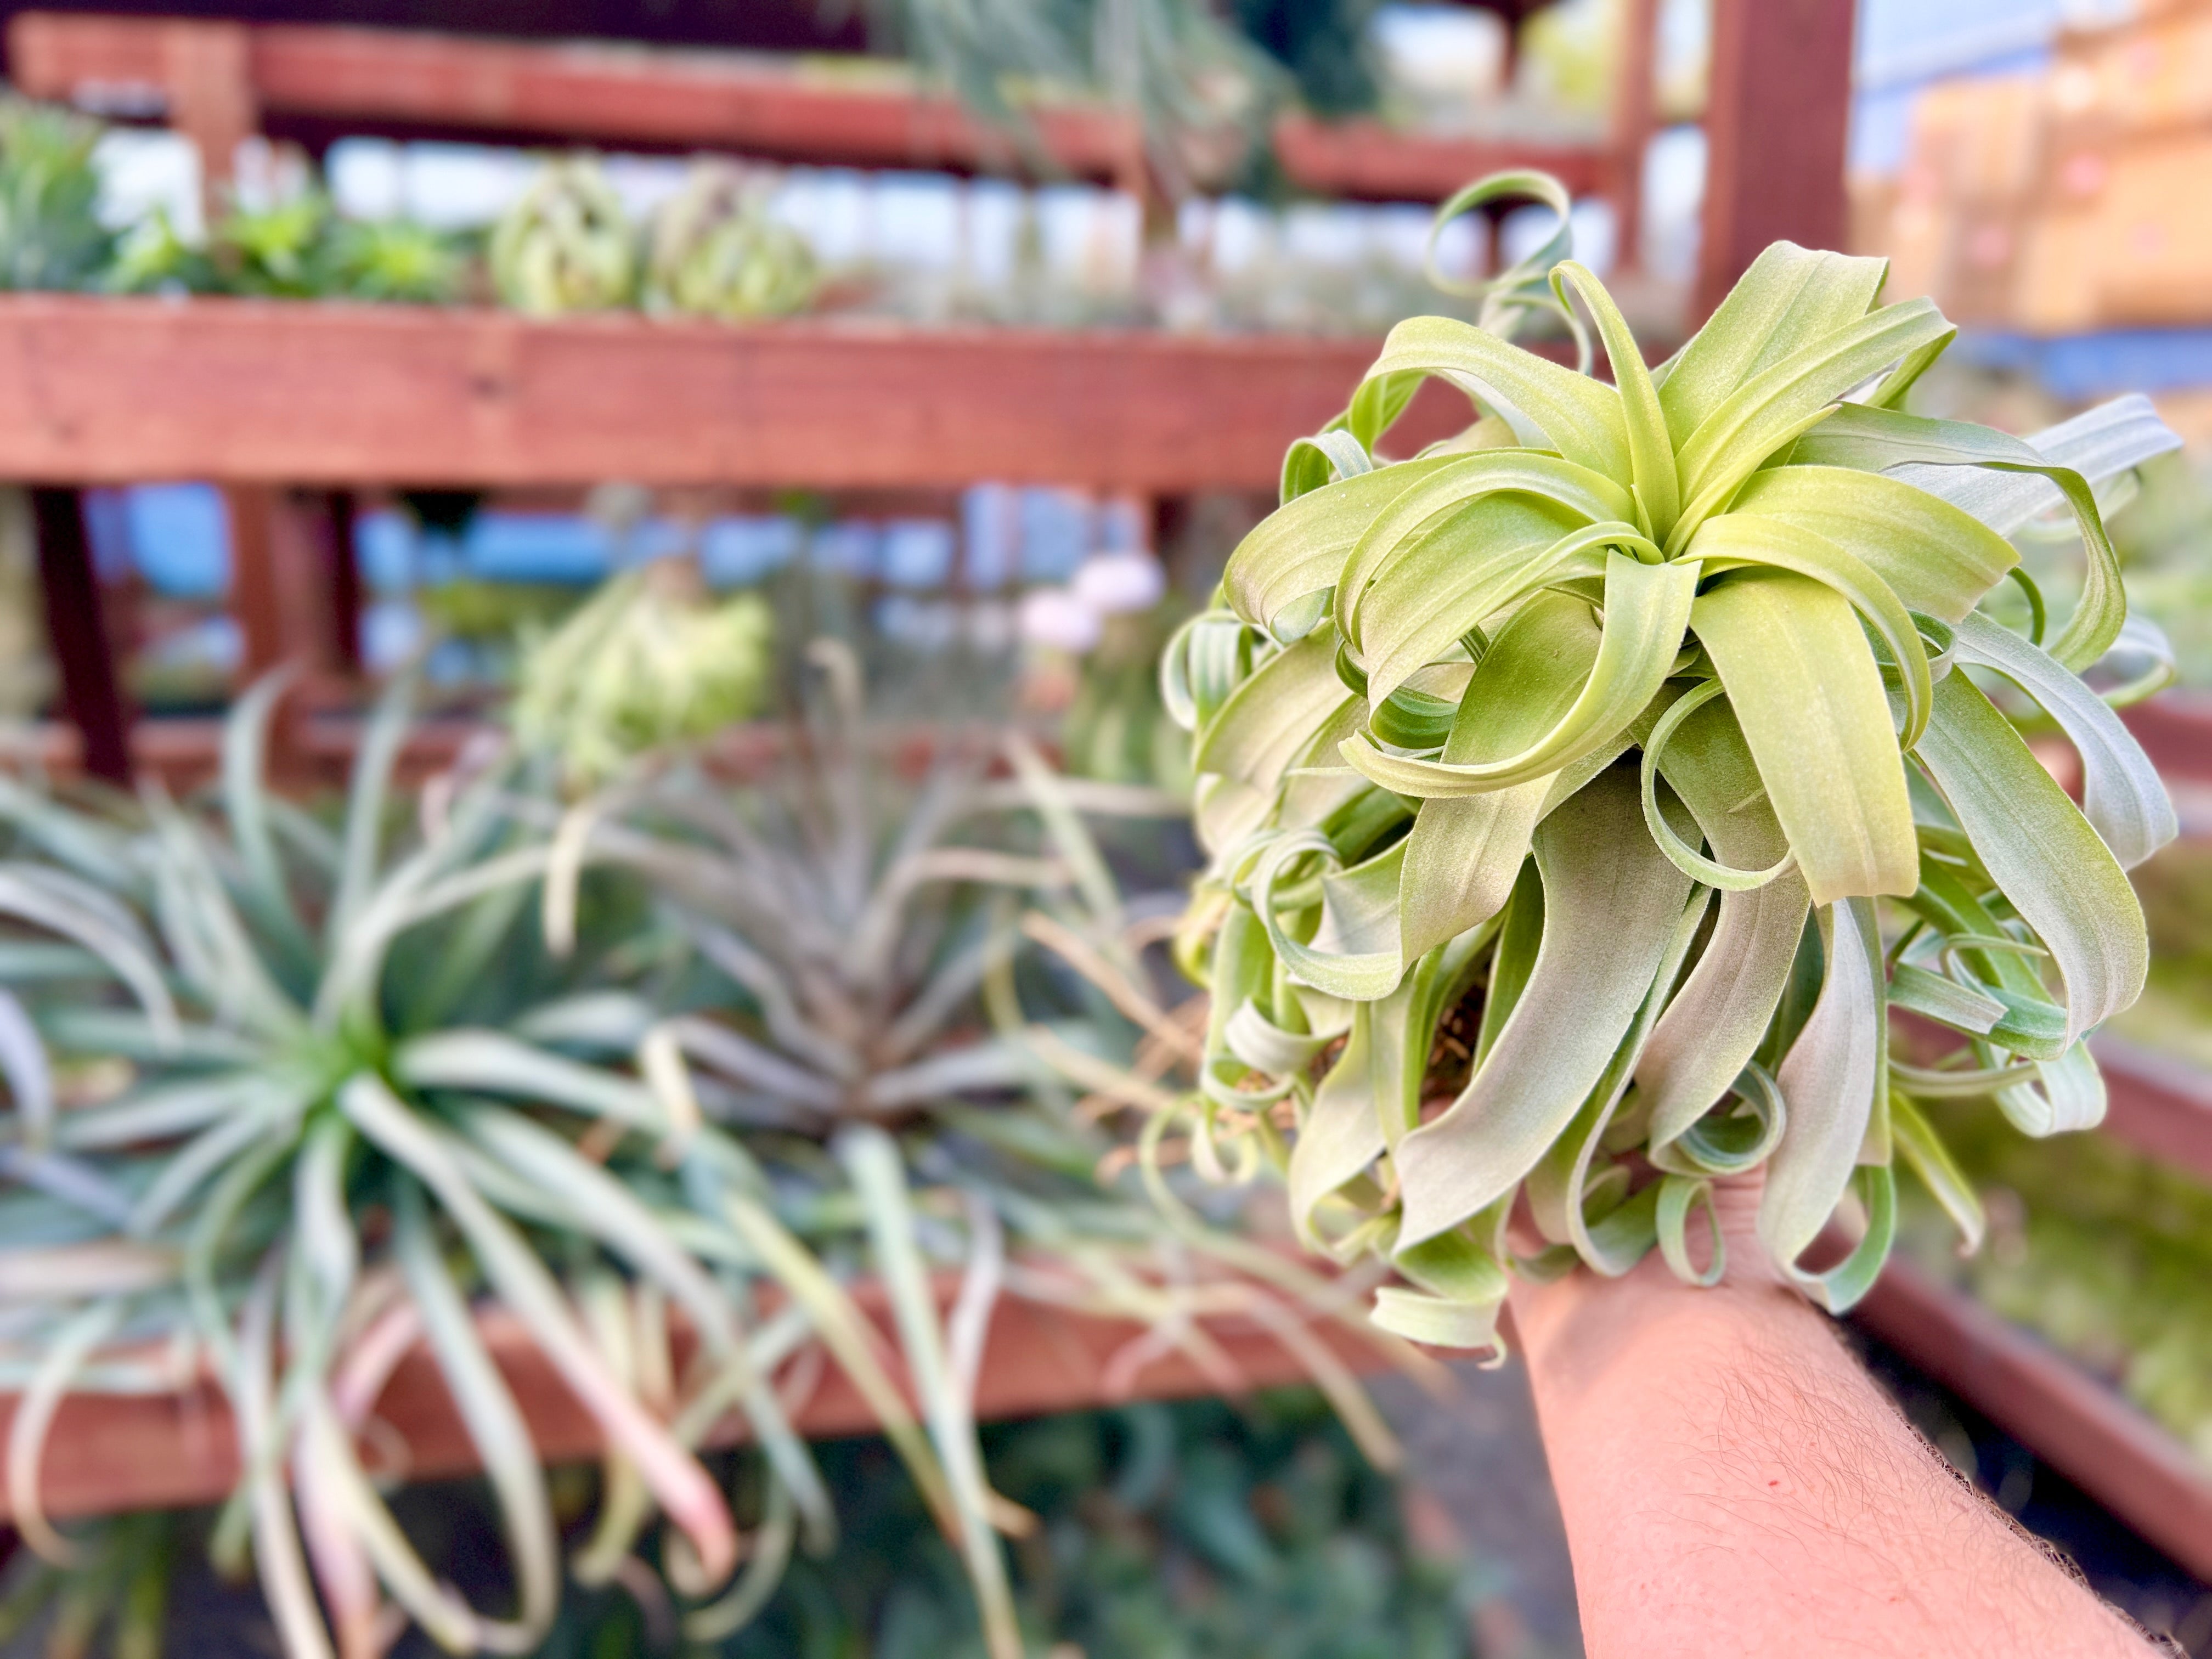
{"x":564,"y":244}
{"x":1585,"y":795}
{"x":649,"y":659}
{"x":661,"y":1071}
{"x":714,"y":251}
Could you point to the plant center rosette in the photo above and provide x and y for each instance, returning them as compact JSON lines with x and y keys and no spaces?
{"x":1605,"y":801}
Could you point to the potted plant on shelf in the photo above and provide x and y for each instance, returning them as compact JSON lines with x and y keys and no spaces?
{"x":1585,"y":794}
{"x":584,"y":1031}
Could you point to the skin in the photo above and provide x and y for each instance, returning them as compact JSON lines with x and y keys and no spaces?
{"x":1734,"y":1482}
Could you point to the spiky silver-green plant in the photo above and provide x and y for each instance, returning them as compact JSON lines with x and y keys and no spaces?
{"x":1659,"y":713}
{"x":285,"y":1095}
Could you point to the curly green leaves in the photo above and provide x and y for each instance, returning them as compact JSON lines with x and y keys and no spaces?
{"x":1611,"y":904}
{"x":2042,"y":853}
{"x":1829,"y":1083}
{"x":1806,"y":690}
{"x":1770,"y":592}
{"x":1549,"y":407}
{"x":1647,"y":608}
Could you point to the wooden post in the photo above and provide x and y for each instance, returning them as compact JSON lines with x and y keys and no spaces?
{"x":207,"y":72}
{"x":1634,"y":99}
{"x":342,"y":572}
{"x":76,"y":626}
{"x":1776,"y":120}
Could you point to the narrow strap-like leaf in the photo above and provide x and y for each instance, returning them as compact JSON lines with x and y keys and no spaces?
{"x":1789,"y":298}
{"x":1582,"y":494}
{"x":1748,"y":540}
{"x":1875,"y":439}
{"x":1713,"y":1026}
{"x":1650,"y":451}
{"x":1935,"y":557}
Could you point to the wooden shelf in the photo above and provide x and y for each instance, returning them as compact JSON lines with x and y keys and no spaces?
{"x":224,"y":79}
{"x":109,"y":1453}
{"x":2159,"y":1105}
{"x":2175,"y":729}
{"x":1369,"y":162}
{"x":2067,"y":1417}
{"x":114,"y":391}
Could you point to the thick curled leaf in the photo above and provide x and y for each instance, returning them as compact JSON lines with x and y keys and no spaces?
{"x":1425,"y":517}
{"x":2121,"y":794}
{"x":1875,"y":439}
{"x":1299,"y":550}
{"x":1935,"y":557}
{"x":1461,"y":571}
{"x":2041,"y":853}
{"x":1356,"y":953}
{"x":1828,"y":1081}
{"x":1713,"y":1026}
{"x":1773,"y":407}
{"x":1748,"y":540}
{"x":1611,"y":904}
{"x":1808,"y":698}
{"x":1647,"y":609}
{"x":1549,"y":407}
{"x":1269,"y":718}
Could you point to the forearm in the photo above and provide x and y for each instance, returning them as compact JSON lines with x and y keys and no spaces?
{"x":1734,"y":1482}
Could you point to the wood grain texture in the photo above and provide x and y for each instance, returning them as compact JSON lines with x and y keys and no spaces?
{"x":109,"y":1453}
{"x":2067,"y":1417}
{"x":247,"y":390}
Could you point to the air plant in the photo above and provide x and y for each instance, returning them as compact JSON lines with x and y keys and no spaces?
{"x":277,"y":251}
{"x":649,"y":659}
{"x":393,"y":260}
{"x":51,"y":234}
{"x":1583,"y":795}
{"x":289,"y":1094}
{"x":564,"y":244}
{"x":713,"y":251}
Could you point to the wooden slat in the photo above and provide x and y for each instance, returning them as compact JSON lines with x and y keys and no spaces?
{"x":1369,"y":162}
{"x":751,"y":105}
{"x":2157,"y":1104}
{"x":603,"y":94}
{"x":2175,"y":729}
{"x":2067,"y":1417}
{"x":109,"y":1453}
{"x":245,"y":391}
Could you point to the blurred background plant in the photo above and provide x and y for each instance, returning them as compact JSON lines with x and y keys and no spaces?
{"x":564,"y":245}
{"x":713,"y":251}
{"x":649,"y":660}
{"x":51,"y":233}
